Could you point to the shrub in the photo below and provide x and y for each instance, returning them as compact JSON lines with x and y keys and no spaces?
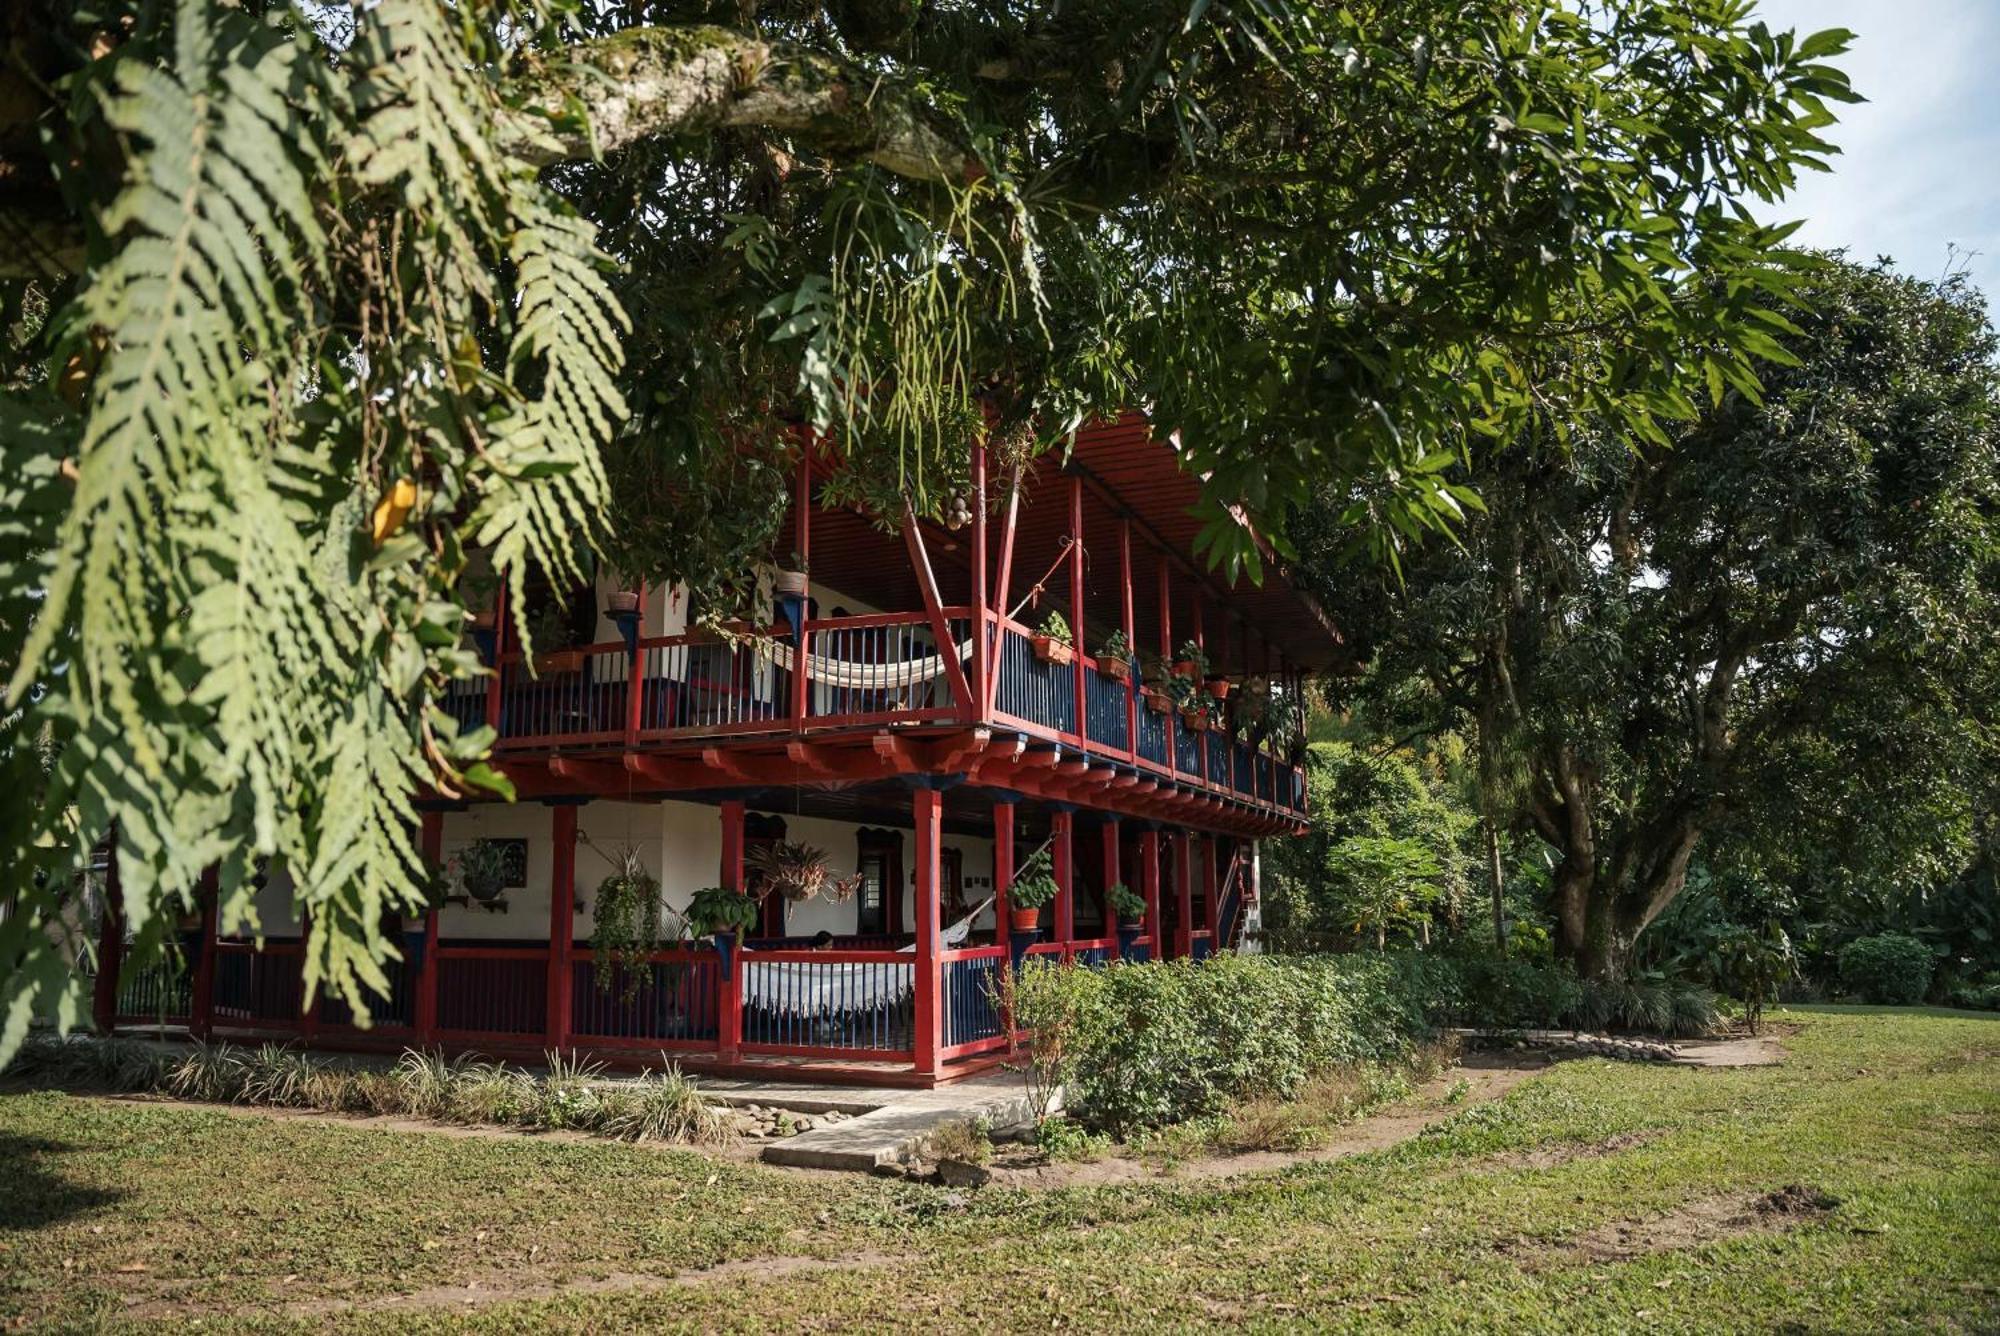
{"x":1510,"y":994}
{"x":1141,"y":1046}
{"x":660,"y":1106}
{"x":1890,"y":968}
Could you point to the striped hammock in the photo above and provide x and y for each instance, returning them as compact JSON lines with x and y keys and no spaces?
{"x":846,"y":674}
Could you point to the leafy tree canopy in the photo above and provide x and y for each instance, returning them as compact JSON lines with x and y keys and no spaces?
{"x":1775,"y":635}
{"x":304,"y":304}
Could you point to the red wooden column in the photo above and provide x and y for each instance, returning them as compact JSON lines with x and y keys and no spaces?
{"x":635,"y":674}
{"x":1063,"y":825}
{"x":928,"y":812}
{"x":1149,"y":886}
{"x":802,"y":544}
{"x":1003,"y":863}
{"x":562,"y":920}
{"x":432,"y":840}
{"x":202,"y":1023}
{"x":110,"y":942}
{"x":1112,"y":876}
{"x":729,"y":1001}
{"x":1131,"y":636}
{"x":1184,"y":893}
{"x":1209,"y":888}
{"x":981,"y":659}
{"x":1167,"y":652}
{"x":1076,"y":597}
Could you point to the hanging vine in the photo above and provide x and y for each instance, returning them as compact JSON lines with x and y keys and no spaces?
{"x":625,"y":925}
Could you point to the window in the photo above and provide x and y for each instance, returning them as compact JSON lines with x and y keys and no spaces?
{"x":872,"y":914}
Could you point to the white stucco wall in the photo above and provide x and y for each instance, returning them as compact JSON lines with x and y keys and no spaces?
{"x":681,"y":844}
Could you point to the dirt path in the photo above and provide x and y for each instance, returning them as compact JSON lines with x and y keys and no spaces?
{"x":1488,"y":1076}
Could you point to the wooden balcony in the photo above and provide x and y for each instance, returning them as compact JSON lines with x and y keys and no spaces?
{"x":862,"y":675}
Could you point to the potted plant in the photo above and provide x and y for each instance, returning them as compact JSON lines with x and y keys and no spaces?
{"x":553,"y":637}
{"x":622,"y":602}
{"x":1195,"y":717}
{"x":790,"y":580}
{"x":1218,"y":688}
{"x":1130,"y":907}
{"x":1158,"y":698}
{"x":480,"y":870}
{"x":722,"y":914}
{"x":1052,"y":640}
{"x":1191,"y":662}
{"x":1034,"y":887}
{"x":1114,"y":657}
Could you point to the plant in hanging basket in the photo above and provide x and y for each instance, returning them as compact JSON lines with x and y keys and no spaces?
{"x":716,"y":910}
{"x":1052,"y":640}
{"x":625,"y":924}
{"x":797,"y":871}
{"x":480,"y":870}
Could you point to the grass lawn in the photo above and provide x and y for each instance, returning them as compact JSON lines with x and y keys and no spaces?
{"x":1597,"y":1195}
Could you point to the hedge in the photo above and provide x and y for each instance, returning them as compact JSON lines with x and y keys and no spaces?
{"x":1146,"y":1045}
{"x":1889,"y":968}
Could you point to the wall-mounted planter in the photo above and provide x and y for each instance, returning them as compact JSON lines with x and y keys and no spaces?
{"x":1115,"y":670}
{"x":1050,"y":650}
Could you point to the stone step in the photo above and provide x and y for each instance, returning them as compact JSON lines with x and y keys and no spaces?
{"x":895,"y":1132}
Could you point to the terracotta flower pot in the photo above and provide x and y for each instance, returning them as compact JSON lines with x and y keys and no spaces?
{"x":1218,"y":687}
{"x":1024,"y":920}
{"x":1050,"y":650}
{"x":1157,"y":702}
{"x":1196,"y":720}
{"x":1116,"y":670}
{"x":623,"y":600}
{"x":1184,"y":668}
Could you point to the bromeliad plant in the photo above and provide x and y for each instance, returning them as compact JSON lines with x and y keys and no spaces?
{"x":480,"y":870}
{"x":798,"y":871}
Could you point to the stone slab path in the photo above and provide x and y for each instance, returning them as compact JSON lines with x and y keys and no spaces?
{"x":898,"y":1126}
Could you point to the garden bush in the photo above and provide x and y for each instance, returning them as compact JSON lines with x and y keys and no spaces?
{"x":1142,"y":1046}
{"x":1890,"y":968}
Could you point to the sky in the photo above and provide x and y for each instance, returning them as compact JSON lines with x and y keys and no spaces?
{"x":1920,"y":162}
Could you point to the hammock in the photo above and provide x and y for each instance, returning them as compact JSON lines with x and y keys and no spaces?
{"x":816,"y":988}
{"x":845,"y":674}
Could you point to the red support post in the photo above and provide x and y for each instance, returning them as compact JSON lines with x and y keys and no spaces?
{"x":981,"y":653}
{"x":1076,"y":614}
{"x":1001,"y":606}
{"x":1184,"y":893}
{"x":1210,"y":889}
{"x":427,"y":971}
{"x":110,"y":942}
{"x":928,"y":813}
{"x":201,"y":1023}
{"x":562,"y":921}
{"x":1149,"y":887}
{"x":802,"y":544}
{"x":1063,"y":826}
{"x":635,"y":676}
{"x":1112,"y":877}
{"x":499,"y":652}
{"x":729,"y":1002}
{"x":1003,"y":865}
{"x":1131,"y":636}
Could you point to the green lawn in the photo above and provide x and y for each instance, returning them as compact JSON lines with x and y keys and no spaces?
{"x":1596,"y":1196}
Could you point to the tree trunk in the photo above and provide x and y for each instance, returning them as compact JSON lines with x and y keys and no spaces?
{"x":1499,"y":887}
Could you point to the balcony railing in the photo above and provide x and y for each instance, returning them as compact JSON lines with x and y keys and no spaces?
{"x":850,"y":672}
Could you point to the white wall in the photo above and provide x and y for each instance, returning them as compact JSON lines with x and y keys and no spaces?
{"x":681,"y":844}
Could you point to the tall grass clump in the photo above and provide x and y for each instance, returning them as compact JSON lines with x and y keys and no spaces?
{"x":661,"y":1106}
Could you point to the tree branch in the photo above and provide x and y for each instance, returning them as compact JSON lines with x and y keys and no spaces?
{"x":652,"y":82}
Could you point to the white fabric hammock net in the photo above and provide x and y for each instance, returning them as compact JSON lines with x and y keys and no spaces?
{"x":799,"y":988}
{"x":848,"y":675}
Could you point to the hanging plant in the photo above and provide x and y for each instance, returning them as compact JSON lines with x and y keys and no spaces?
{"x":625,"y":925}
{"x":480,"y":870}
{"x":797,"y":871}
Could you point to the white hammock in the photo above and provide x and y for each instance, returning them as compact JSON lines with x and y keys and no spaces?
{"x":848,"y":675}
{"x":816,"y":988}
